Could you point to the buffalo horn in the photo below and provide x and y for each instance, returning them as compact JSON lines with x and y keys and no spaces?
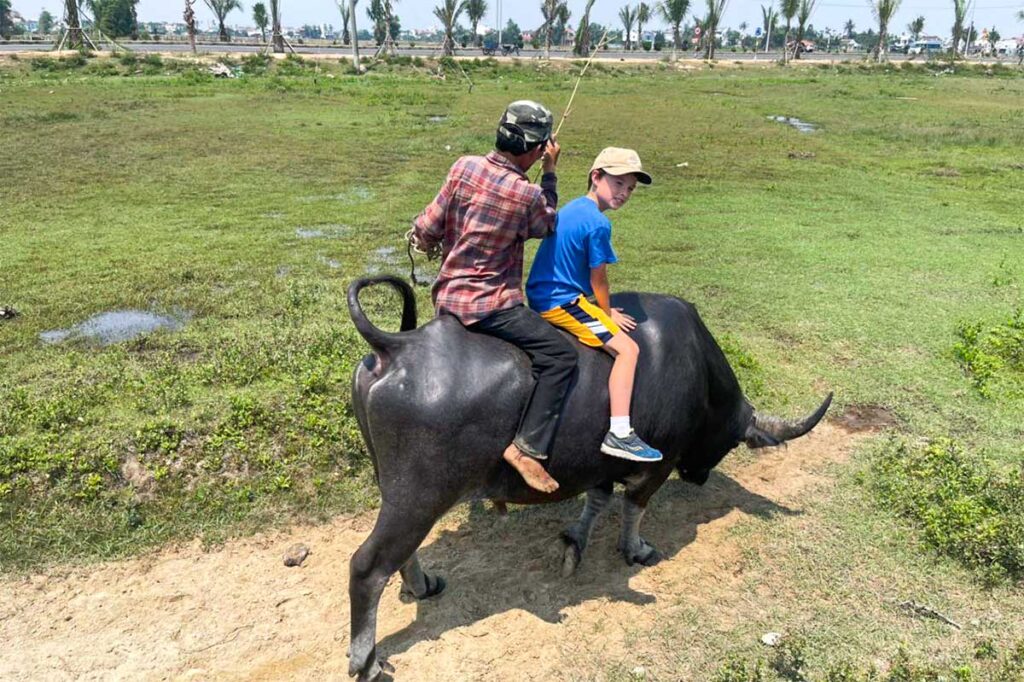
{"x":786,"y":429}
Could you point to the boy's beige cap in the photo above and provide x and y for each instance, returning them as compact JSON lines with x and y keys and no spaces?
{"x":619,"y":161}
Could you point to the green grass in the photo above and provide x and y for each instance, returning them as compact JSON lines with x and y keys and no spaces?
{"x":848,"y":265}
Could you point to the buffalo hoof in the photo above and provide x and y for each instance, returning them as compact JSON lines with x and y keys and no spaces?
{"x":435,"y":586}
{"x":373,"y":672}
{"x":572,"y":556}
{"x":645,"y":554}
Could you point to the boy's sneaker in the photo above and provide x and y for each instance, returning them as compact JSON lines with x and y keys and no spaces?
{"x":630,"y":447}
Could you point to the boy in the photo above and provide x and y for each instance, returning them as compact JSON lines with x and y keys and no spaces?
{"x":482,"y":216}
{"x":572,"y":265}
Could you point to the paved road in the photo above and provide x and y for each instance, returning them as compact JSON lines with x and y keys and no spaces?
{"x":529,"y":53}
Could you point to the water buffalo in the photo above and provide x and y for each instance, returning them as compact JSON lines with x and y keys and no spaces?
{"x":438,"y":405}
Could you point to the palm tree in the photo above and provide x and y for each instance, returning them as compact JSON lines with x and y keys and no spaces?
{"x":643,"y":15}
{"x":221,"y":8}
{"x":915,"y":27}
{"x":582,"y":46}
{"x":883,"y":11}
{"x":277,"y":39}
{"x":346,"y":37}
{"x":355,"y":35}
{"x":803,"y":14}
{"x":259,"y":15}
{"x":673,"y":12}
{"x":550,"y":10}
{"x":562,"y":16}
{"x":190,"y":23}
{"x":448,"y":14}
{"x":959,"y":13}
{"x":475,"y":11}
{"x":628,"y":15}
{"x":716,"y":8}
{"x":769,"y":18}
{"x":789,"y":9}
{"x":848,"y":28}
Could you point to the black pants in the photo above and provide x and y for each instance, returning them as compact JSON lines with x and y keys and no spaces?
{"x":554,"y":363}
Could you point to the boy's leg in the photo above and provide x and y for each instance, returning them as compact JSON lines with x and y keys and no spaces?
{"x":620,"y":381}
{"x":554,"y":361}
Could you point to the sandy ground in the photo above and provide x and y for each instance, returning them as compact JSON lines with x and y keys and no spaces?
{"x":238,"y":613}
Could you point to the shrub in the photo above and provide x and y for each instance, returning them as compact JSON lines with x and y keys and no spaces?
{"x":965,"y":509}
{"x":994,"y":356}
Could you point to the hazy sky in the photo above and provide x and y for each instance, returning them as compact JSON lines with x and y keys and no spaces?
{"x":938,"y":14}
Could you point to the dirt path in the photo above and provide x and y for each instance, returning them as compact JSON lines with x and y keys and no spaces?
{"x":239,"y":613}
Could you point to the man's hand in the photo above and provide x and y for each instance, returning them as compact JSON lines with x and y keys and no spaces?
{"x":550,"y":158}
{"x":625,"y":322}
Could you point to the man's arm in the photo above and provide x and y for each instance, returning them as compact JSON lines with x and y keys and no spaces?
{"x":428,"y":227}
{"x":543,"y":213}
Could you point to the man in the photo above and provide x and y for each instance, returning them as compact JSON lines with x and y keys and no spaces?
{"x":481,"y":218}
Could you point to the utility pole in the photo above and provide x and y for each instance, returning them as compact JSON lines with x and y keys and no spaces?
{"x":500,"y":42}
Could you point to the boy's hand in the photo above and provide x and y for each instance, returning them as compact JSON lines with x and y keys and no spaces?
{"x":550,"y":158}
{"x":625,"y":322}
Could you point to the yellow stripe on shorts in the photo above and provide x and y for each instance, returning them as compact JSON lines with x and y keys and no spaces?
{"x":584,"y":320}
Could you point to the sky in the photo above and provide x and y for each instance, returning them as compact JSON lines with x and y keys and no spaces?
{"x":938,"y":14}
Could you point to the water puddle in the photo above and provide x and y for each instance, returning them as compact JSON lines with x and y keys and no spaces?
{"x":274,"y":215}
{"x":802,"y":126}
{"x":384,"y":259}
{"x":322,"y":231}
{"x":115,"y":326}
{"x":329,"y":262}
{"x":282,"y":271}
{"x":352,"y":195}
{"x":438,"y":118}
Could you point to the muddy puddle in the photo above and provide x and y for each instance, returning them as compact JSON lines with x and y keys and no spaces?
{"x":802,"y":126}
{"x":115,"y":326}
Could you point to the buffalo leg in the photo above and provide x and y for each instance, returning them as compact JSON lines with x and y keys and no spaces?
{"x":577,"y":535}
{"x":634,"y":548}
{"x":391,"y":546}
{"x":418,"y":584}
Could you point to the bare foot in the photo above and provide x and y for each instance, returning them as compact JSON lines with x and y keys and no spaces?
{"x":531,"y":470}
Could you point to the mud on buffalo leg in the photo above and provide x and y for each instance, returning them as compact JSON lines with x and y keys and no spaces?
{"x":577,"y":535}
{"x":393,"y":542}
{"x":634,"y":548}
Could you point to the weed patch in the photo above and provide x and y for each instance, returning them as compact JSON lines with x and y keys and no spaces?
{"x":964,"y":508}
{"x":993,"y":355}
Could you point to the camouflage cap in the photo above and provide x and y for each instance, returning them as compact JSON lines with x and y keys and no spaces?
{"x":527,"y":120}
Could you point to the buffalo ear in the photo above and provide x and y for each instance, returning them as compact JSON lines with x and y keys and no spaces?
{"x":756,"y":438}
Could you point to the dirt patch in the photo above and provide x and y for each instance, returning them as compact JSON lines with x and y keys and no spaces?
{"x":858,"y":418}
{"x":239,"y":613}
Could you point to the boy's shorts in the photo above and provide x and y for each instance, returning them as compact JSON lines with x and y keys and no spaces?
{"x":584,"y":320}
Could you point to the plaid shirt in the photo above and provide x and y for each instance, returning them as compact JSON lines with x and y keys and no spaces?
{"x":482,"y":216}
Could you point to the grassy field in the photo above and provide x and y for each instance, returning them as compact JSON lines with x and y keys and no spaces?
{"x":881,"y":257}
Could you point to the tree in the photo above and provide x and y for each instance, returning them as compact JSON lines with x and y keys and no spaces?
{"x":346,"y":35}
{"x":475,"y":11}
{"x":448,"y":13}
{"x":768,"y":20}
{"x":628,"y":15}
{"x":259,"y":15}
{"x":46,"y":22}
{"x":788,"y":8}
{"x":803,"y":14}
{"x":115,"y":18}
{"x":221,"y":9}
{"x":915,"y":27}
{"x":512,"y":34}
{"x":582,"y":46}
{"x":674,"y":12}
{"x":715,"y":10}
{"x":276,"y":38}
{"x":6,"y":20}
{"x":883,"y":11}
{"x":190,"y":23}
{"x":959,"y":14}
{"x":556,"y":16}
{"x":385,"y":23}
{"x":848,"y":28}
{"x":643,"y":15}
{"x":355,"y":35}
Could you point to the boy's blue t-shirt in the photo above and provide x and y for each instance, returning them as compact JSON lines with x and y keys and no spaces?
{"x":561,"y":269}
